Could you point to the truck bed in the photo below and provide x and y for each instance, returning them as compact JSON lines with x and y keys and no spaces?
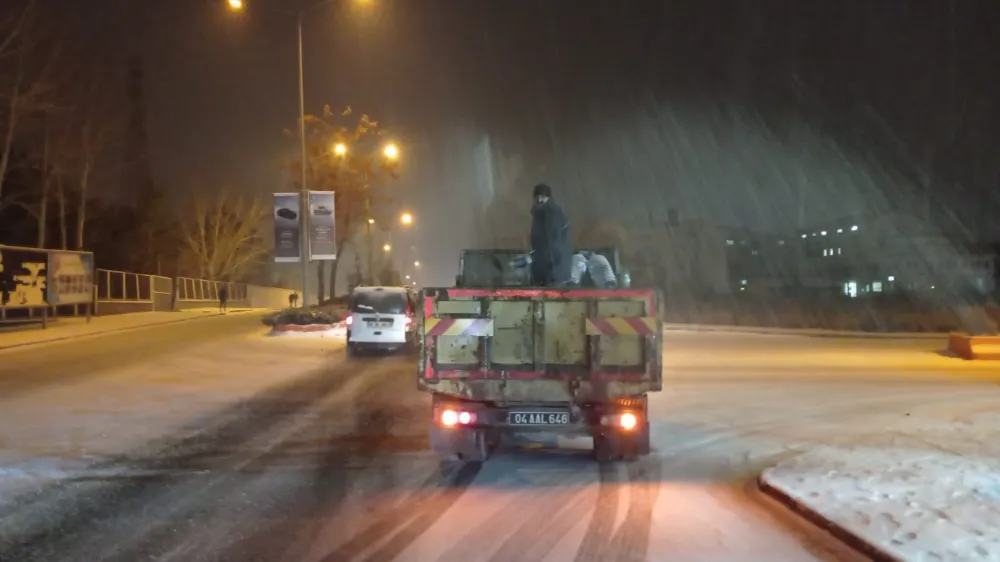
{"x":526,"y":345}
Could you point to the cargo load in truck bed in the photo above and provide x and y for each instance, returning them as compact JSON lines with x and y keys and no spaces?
{"x":528,"y":345}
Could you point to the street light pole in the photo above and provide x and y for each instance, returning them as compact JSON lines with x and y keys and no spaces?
{"x":304,"y":196}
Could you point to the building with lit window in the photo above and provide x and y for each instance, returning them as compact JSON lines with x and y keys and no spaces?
{"x":883,"y":253}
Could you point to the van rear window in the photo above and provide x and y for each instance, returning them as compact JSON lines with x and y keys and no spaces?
{"x":382,"y":303}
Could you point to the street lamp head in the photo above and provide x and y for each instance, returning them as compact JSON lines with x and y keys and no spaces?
{"x":391,"y":151}
{"x":416,"y":263}
{"x":340,"y":148}
{"x":235,"y":5}
{"x":406,"y":218}
{"x":386,"y":248}
{"x":371,"y":221}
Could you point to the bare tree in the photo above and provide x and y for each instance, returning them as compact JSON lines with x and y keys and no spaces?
{"x":359,"y":176}
{"x":222,"y":236}
{"x":20,"y":95}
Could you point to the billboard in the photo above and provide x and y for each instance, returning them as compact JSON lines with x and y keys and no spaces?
{"x":70,"y":278}
{"x":322,"y":226}
{"x":287,"y":228}
{"x":22,"y":277}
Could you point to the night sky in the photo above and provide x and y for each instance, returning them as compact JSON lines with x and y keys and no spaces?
{"x":766,"y":113}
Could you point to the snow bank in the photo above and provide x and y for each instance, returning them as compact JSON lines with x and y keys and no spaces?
{"x":338,"y":330}
{"x":913,"y":504}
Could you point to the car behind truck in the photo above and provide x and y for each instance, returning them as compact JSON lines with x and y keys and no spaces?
{"x":502,"y":357}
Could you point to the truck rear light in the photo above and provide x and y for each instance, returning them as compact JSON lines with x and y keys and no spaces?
{"x":628,"y":421}
{"x":349,"y":320}
{"x":451,"y":418}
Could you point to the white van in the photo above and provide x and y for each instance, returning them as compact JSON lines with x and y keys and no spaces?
{"x":381,"y":318}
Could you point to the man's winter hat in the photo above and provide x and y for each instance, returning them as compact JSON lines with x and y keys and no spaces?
{"x":542,"y":189}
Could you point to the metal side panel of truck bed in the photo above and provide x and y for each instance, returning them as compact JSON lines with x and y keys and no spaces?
{"x":523,"y":345}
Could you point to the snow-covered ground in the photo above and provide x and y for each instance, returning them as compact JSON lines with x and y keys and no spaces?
{"x":915,"y":503}
{"x":733,"y":406}
{"x":61,"y":431}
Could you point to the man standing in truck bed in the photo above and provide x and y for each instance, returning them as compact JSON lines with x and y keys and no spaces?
{"x":550,"y":240}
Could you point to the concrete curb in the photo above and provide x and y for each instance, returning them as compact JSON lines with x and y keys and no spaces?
{"x":849,"y":538}
{"x":303,"y":328}
{"x":805,"y":332}
{"x":119,"y":330}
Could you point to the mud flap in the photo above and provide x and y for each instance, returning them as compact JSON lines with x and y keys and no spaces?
{"x":468,"y":445}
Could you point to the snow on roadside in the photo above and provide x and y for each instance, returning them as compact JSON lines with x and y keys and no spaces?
{"x":58,"y":431}
{"x":924,"y":504}
{"x":339,"y":331}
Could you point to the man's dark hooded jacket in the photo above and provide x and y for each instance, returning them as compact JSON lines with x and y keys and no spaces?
{"x":550,"y":241}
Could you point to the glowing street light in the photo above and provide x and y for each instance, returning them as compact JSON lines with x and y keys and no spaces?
{"x":416,"y":263}
{"x":391,"y":151}
{"x":386,"y":248}
{"x":406,"y":218}
{"x":340,"y":148}
{"x":371,"y":221}
{"x":407,"y":276}
{"x":235,"y":4}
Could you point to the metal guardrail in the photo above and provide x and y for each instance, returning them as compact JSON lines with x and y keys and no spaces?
{"x":125,"y":286}
{"x":196,"y":290}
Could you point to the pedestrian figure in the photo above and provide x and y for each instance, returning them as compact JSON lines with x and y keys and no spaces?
{"x":294,"y":299}
{"x":551,"y":249}
{"x":223,"y":298}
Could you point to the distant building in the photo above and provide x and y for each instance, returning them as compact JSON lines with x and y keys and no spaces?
{"x":686,"y":259}
{"x":893,"y":251}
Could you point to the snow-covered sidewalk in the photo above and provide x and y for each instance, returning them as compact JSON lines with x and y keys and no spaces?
{"x":912,"y":504}
{"x":68,"y":328}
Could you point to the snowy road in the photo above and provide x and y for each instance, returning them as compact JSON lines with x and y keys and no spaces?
{"x":330,"y":465}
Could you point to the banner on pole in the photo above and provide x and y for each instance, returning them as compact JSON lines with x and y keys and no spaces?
{"x":287,"y":228}
{"x":322,"y":226}
{"x":70,"y":277}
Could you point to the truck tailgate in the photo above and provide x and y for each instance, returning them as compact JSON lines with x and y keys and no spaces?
{"x":540,"y":345}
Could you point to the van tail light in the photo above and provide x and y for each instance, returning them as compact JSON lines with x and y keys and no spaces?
{"x":408,"y":321}
{"x":349,"y":320}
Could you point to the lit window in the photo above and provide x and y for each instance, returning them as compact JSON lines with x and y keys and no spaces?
{"x":853,"y":228}
{"x":781,"y":242}
{"x":877,"y":287}
{"x":892,"y":278}
{"x":743,"y":282}
{"x":823,"y":233}
{"x":838,"y":251}
{"x":804,"y":235}
{"x":729,"y":242}
{"x":814,"y":234}
{"x":754,"y":252}
{"x":839,"y":230}
{"x":824,"y":251}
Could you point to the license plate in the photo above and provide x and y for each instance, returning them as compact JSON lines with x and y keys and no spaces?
{"x":538,"y":418}
{"x":380,"y":323}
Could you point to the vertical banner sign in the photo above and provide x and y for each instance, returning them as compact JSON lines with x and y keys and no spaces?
{"x":322,"y":226}
{"x":287,"y":228}
{"x":22,"y":277}
{"x":70,"y":278}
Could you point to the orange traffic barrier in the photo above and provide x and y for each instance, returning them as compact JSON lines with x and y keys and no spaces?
{"x":975,"y":347}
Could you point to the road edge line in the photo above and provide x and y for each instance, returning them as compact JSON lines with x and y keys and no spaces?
{"x":804,"y":332}
{"x":118,"y":330}
{"x":838,"y":531}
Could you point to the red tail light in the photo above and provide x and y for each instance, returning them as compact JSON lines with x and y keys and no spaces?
{"x":349,"y":320}
{"x":452,"y":418}
{"x":408,"y":321}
